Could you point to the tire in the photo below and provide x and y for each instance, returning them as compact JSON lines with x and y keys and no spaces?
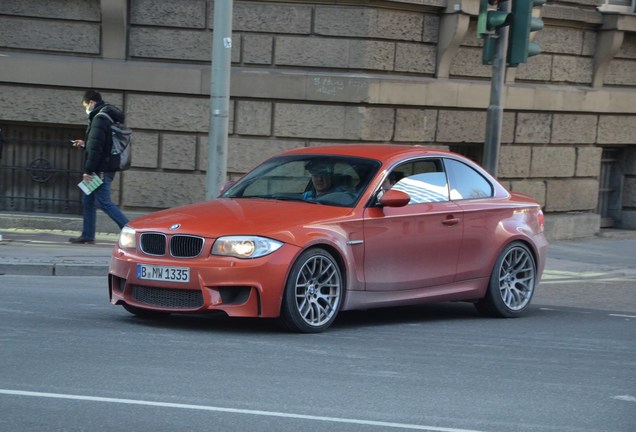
{"x":313,"y":293}
{"x":145,"y":313}
{"x":512,"y":283}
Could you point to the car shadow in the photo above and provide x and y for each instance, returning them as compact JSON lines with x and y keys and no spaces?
{"x":347,"y":320}
{"x":432,"y":312}
{"x":210,"y":322}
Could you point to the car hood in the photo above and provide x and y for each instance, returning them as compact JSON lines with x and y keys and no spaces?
{"x":244,"y":216}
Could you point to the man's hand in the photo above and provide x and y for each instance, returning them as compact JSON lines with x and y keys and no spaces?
{"x":87,"y":177}
{"x":78,"y":143}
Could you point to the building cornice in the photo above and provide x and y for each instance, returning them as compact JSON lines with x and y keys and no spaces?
{"x":309,"y":86}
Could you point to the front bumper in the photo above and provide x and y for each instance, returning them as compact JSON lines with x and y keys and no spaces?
{"x":238,"y":287}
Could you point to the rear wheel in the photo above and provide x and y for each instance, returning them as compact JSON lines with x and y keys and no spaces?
{"x":313,"y":293}
{"x":511,"y":283}
{"x":145,"y":313}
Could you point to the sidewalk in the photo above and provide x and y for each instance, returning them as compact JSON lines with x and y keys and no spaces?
{"x":48,"y":253}
{"x":609,"y":256}
{"x":37,"y":244}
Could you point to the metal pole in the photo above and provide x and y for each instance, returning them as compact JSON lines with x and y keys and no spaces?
{"x":219,"y":97}
{"x":494,"y":115}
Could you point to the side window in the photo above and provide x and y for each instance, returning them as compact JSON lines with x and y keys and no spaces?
{"x":466,"y":183}
{"x":424,"y":181}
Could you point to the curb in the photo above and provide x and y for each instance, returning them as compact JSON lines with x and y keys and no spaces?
{"x":617,"y":234}
{"x":80,"y":270}
{"x":53,"y":269}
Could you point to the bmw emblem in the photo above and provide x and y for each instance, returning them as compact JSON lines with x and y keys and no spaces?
{"x":175,"y":227}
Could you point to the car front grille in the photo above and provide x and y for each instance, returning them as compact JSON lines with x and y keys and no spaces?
{"x":168,"y":298}
{"x":184,"y":246}
{"x":153,"y":243}
{"x":181,"y":246}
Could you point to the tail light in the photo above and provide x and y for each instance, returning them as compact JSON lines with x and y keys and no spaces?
{"x":541,"y":220}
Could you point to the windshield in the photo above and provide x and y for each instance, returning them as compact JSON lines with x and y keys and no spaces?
{"x":323,"y":179}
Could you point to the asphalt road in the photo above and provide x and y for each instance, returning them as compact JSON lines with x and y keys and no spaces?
{"x":69,"y":361}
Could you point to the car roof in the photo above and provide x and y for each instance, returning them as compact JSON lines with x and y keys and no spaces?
{"x":373,"y":151}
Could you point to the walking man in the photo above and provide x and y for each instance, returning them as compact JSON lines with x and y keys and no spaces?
{"x":98,"y":145}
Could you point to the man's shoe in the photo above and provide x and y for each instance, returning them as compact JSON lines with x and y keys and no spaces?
{"x":81,"y":240}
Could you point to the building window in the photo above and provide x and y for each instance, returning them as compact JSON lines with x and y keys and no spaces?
{"x":611,"y":186}
{"x":620,"y":6}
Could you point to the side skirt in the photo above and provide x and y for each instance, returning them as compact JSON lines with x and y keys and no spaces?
{"x":474,"y":289}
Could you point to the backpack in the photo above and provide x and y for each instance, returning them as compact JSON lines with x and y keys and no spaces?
{"x":121,"y":151}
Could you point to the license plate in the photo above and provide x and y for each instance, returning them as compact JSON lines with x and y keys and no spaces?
{"x":163,"y":273}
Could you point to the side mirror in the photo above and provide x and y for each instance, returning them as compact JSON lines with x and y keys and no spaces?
{"x":394,"y":198}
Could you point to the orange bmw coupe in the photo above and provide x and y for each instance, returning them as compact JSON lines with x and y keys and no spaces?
{"x":319,"y":230}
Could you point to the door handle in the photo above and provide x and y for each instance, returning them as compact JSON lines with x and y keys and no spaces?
{"x":450,"y":221}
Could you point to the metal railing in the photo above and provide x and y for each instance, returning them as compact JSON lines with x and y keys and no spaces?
{"x":39,"y":170}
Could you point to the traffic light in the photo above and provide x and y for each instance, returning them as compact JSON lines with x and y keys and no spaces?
{"x":490,"y":20}
{"x":523,"y":23}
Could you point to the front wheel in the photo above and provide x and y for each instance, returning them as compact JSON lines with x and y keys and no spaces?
{"x":511,"y":284}
{"x":313,"y":293}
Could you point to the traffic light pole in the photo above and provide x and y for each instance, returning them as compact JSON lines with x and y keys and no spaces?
{"x":494,"y":117}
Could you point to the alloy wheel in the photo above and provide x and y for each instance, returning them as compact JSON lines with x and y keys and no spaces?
{"x":318,"y":288}
{"x":517,"y":278}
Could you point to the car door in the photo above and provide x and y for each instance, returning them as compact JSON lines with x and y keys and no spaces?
{"x":417,"y":245}
{"x":482,"y":216}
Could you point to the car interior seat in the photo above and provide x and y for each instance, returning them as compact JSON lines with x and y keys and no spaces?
{"x":343,"y":181}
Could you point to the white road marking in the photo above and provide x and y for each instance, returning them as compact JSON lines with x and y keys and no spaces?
{"x":551,"y":277}
{"x":568,"y":310}
{"x":548,"y":309}
{"x":626,"y":398}
{"x":234,"y":411}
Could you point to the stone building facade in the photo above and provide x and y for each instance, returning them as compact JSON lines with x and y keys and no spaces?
{"x":307,"y":73}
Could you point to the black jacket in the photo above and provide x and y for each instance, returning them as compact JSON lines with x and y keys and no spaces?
{"x":98,"y":137}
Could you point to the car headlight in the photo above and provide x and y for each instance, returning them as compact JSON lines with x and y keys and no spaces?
{"x":245,"y":246}
{"x":127,"y":238}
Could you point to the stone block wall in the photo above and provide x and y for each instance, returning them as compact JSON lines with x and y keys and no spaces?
{"x":538,"y":156}
{"x":296,"y":35}
{"x":622,"y":70}
{"x":305,"y":34}
{"x":309,"y":73}
{"x":556,"y":158}
{"x":58,"y":26}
